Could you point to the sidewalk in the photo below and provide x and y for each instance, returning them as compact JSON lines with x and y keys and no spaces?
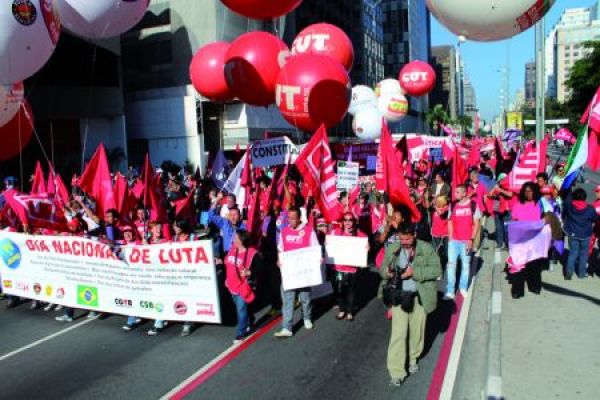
{"x":550,"y":341}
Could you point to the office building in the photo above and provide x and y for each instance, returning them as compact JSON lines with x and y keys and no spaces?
{"x":443,"y":60}
{"x":530,"y":80}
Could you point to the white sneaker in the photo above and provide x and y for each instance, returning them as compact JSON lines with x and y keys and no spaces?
{"x":49,"y":307}
{"x":449,"y":296}
{"x":284,"y":333}
{"x":308,"y":324}
{"x":64,"y":318}
{"x":464,"y":293}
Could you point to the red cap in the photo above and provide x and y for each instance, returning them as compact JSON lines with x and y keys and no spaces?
{"x":547,"y":190}
{"x":597,"y":189}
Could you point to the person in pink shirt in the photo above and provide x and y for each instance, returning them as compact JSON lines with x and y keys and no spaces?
{"x":440,"y":212}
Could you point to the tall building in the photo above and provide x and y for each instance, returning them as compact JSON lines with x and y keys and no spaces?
{"x":564,"y":46}
{"x":443,"y":60}
{"x":530,"y":80}
{"x":470,"y":98}
{"x":407,"y":37}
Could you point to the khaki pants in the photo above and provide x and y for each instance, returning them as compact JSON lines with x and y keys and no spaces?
{"x":406,"y":326}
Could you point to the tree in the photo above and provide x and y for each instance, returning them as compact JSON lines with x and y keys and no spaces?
{"x":436,"y":116}
{"x":584,"y":78}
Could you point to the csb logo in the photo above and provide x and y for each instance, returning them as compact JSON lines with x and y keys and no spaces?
{"x":87,"y":296}
{"x":10,"y":253}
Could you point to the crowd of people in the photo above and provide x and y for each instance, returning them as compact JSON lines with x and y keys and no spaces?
{"x":410,"y":255}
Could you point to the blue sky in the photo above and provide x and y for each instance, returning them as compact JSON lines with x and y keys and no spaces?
{"x":484,"y":60}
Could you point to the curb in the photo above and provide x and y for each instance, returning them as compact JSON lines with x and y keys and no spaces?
{"x":493,"y":389}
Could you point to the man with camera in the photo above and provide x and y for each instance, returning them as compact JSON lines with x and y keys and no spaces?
{"x":410,"y":271}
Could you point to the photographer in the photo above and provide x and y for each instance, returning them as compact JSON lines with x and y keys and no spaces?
{"x":410,"y":271}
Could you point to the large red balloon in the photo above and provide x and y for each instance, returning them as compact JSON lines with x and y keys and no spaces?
{"x":325,"y":39}
{"x":313,"y":89}
{"x":207,"y":72}
{"x":417,"y":78}
{"x":262,"y":9}
{"x":16,"y":134}
{"x":252,"y":65}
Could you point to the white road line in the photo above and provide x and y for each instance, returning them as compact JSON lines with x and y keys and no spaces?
{"x":497,"y":257}
{"x":497,"y":303}
{"x":45,"y":339}
{"x":459,"y":337}
{"x":494,"y":385}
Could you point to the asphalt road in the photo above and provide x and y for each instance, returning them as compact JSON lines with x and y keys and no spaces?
{"x":96,"y":359}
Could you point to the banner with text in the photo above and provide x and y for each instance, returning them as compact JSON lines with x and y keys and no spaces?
{"x":301,"y":268}
{"x":347,"y":175}
{"x":175,"y":281}
{"x":271,"y":152}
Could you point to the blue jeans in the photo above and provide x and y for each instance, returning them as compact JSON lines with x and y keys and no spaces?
{"x":501,"y":229}
{"x":243,"y":320}
{"x":578,"y":250}
{"x":458,"y":249}
{"x":288,"y":297}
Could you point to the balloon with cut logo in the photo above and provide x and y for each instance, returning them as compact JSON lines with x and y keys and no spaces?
{"x":488,"y":20}
{"x":367,"y":123}
{"x":11,"y":97}
{"x":207,"y":72}
{"x":29,"y":31}
{"x":262,"y":9}
{"x":388,"y":87}
{"x":312,"y":90}
{"x":393,"y":108}
{"x":362,"y":96}
{"x":252,"y":65}
{"x":325,"y":39}
{"x":417,"y":78}
{"x":99,"y":19}
{"x":17,"y":133}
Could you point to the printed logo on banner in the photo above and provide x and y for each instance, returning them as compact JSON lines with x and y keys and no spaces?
{"x":123,"y":303}
{"x":24,"y":12}
{"x":205,"y":309}
{"x":7,"y":284}
{"x":37,"y":288}
{"x":180,"y":308}
{"x":158,"y":307}
{"x":60,"y":293}
{"x":10,"y":253}
{"x":49,"y":290}
{"x":22,"y":286}
{"x":87,"y":295}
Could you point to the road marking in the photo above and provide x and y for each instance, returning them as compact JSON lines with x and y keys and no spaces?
{"x":496,"y":303}
{"x":222,"y":360}
{"x":45,"y":339}
{"x":498,"y":256}
{"x":494,"y":385}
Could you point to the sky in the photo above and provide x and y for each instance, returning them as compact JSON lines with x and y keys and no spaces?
{"x":484,"y":61}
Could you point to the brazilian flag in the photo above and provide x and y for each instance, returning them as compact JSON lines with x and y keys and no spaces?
{"x":87,"y":296}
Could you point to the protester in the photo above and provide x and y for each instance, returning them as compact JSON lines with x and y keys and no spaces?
{"x":498,"y":201}
{"x":579,"y":219}
{"x":410,"y":271}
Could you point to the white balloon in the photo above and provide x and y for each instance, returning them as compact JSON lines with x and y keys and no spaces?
{"x":367,"y":123}
{"x":11,"y":97}
{"x":29,"y":31}
{"x":99,"y":19}
{"x":488,"y":20}
{"x":388,"y":87}
{"x":393,"y":108}
{"x":362,"y":96}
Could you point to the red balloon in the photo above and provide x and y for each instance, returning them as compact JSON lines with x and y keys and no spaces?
{"x":252,"y":65}
{"x":417,"y":78}
{"x":207,"y":72}
{"x":17,"y":133}
{"x":325,"y":39}
{"x":262,"y":9}
{"x":313,"y":89}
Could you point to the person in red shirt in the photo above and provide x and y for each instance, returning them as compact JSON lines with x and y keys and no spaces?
{"x":440,"y":211}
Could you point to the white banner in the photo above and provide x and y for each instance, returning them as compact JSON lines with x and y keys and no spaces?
{"x":347,"y":250}
{"x":301,"y":268}
{"x":276,"y":151}
{"x":347,"y":175}
{"x":175,"y":281}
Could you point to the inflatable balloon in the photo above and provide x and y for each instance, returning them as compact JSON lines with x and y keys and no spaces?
{"x":252,"y":65}
{"x":11,"y":97}
{"x":262,"y":9}
{"x":313,"y":89}
{"x":367,"y":123}
{"x":488,"y":20}
{"x":99,"y":19}
{"x":207,"y":72}
{"x":325,"y":39}
{"x":417,"y":78}
{"x":388,"y":87}
{"x":29,"y":31}
{"x":393,"y":108}
{"x":17,"y":133}
{"x":362,"y":96}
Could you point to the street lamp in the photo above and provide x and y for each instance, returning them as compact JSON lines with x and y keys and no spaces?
{"x":459,"y":73}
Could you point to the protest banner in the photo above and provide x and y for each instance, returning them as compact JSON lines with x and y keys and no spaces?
{"x":301,"y":268}
{"x":271,"y":152}
{"x":347,"y":175}
{"x":175,"y":281}
{"x":347,"y":250}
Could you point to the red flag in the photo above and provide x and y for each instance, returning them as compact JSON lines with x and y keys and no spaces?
{"x":474,"y":154}
{"x":38,"y":211}
{"x":460,"y":173}
{"x":121,"y":192}
{"x":393,"y":174}
{"x":591,"y":117}
{"x":151,"y":196}
{"x":254,"y":219}
{"x":38,"y":185}
{"x":315,"y":164}
{"x":97,"y":182}
{"x":447,"y":151}
{"x":61,"y":189}
{"x":51,"y":184}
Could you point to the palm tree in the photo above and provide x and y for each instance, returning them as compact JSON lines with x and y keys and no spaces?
{"x":436,"y":116}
